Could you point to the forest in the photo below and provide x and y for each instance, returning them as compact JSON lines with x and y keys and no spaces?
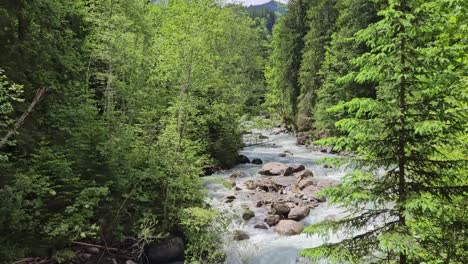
{"x":113,"y":112}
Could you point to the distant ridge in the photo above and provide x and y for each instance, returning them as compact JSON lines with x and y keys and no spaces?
{"x":274,"y":6}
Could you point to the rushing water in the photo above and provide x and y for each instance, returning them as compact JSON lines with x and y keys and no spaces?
{"x":265,"y":246}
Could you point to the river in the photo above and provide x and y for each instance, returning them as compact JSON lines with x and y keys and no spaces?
{"x":266,"y":246}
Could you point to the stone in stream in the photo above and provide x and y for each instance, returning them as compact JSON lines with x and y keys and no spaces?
{"x":289,"y":228}
{"x":298,"y":213}
{"x":238,"y":174}
{"x":303,"y":175}
{"x":289,"y":171}
{"x":301,"y":138}
{"x":257,"y":161}
{"x":230,"y":199}
{"x":310,"y":190}
{"x":327,"y":183}
{"x":267,"y":185}
{"x":305,"y":183}
{"x":272,"y":220}
{"x":250,"y":184}
{"x":247,"y":214}
{"x":297,"y":167}
{"x":241,"y":159}
{"x":230,"y":183}
{"x":282,"y":155}
{"x":280,"y":209}
{"x":261,"y":226}
{"x":273,"y":169}
{"x":240,"y":235}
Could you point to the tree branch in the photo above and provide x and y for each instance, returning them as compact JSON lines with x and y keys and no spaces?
{"x":37,"y":98}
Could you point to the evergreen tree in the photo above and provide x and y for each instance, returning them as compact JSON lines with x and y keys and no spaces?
{"x":321,"y":18}
{"x":283,"y":72}
{"x":343,"y":48}
{"x":402,"y":138}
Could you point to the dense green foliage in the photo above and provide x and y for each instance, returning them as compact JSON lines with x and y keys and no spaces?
{"x":406,"y":186}
{"x":140,"y":98}
{"x":282,"y":71}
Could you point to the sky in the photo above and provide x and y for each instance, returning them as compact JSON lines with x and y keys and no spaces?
{"x":254,"y":2}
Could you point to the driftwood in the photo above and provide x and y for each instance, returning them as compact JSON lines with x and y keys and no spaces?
{"x":37,"y":98}
{"x":94,"y":245}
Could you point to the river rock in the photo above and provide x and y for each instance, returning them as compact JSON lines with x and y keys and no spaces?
{"x":282,"y":155}
{"x":303,"y":175}
{"x":240,"y":235}
{"x":238,"y":174}
{"x":230,"y":182}
{"x":289,"y":228}
{"x":257,"y":161}
{"x":297,"y":167}
{"x":288,"y":152}
{"x":273,"y":169}
{"x":241,"y":159}
{"x":299,"y":212}
{"x":168,"y":250}
{"x":310,"y":190}
{"x":301,"y":138}
{"x":247,"y":214}
{"x":280,"y":209}
{"x":289,"y":171}
{"x":250,"y":184}
{"x":272,"y":220}
{"x":305,"y":183}
{"x":261,"y":226}
{"x":283,"y":181}
{"x":267,"y":185}
{"x":327,"y":183}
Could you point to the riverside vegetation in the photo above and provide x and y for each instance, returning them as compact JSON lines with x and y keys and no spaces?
{"x":111,"y":110}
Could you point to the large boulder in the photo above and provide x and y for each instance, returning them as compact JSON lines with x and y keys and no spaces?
{"x":257,"y":161}
{"x":238,"y":174}
{"x":272,"y":220}
{"x":289,"y":227}
{"x":168,"y":250}
{"x":273,"y":169}
{"x":299,"y":212}
{"x":241,"y":159}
